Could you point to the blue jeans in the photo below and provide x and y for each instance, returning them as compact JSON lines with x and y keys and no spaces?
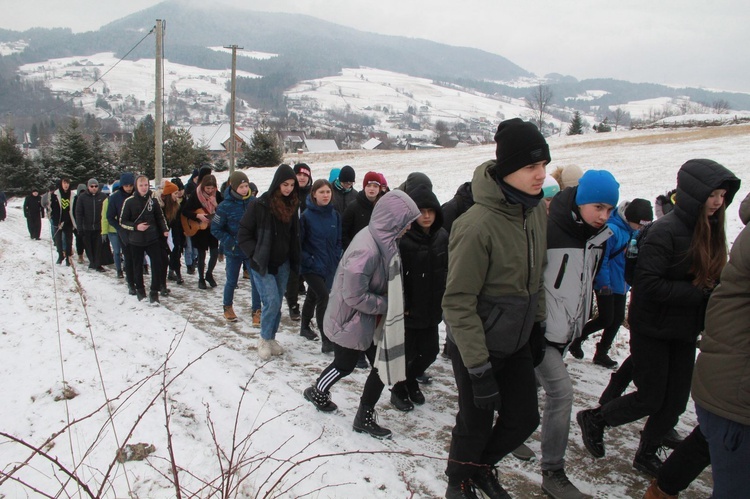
{"x":233,"y":266}
{"x":271,"y":288}
{"x":114,"y":240}
{"x":191,"y":255}
{"x":255,"y":294}
{"x":558,"y":405}
{"x":729,"y":445}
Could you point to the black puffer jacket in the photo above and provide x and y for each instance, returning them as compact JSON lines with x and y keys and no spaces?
{"x":138,"y":209}
{"x":664,"y":302}
{"x":355,"y":218}
{"x":425,"y":265}
{"x":462,"y":201}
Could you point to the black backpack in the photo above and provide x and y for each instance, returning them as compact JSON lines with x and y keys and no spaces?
{"x":631,"y":253}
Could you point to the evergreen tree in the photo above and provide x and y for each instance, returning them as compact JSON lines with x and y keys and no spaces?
{"x":603,"y":127}
{"x":18,"y":174}
{"x":576,"y":125}
{"x":138,"y":155}
{"x":73,"y":154}
{"x":264,"y":150}
{"x":179,"y":152}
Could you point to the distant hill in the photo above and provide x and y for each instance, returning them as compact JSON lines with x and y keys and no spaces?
{"x":309,"y":48}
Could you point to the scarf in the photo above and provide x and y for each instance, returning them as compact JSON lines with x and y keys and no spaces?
{"x":390,"y":358}
{"x":208,"y":202}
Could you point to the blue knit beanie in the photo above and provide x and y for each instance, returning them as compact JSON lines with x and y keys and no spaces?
{"x":127,"y":178}
{"x":597,"y":186}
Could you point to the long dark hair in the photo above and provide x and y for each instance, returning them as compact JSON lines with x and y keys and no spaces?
{"x":317,"y":185}
{"x":708,"y":247}
{"x":283,"y":207}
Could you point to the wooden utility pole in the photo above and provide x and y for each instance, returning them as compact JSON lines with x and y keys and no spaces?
{"x":159,"y":118}
{"x":232,"y":120}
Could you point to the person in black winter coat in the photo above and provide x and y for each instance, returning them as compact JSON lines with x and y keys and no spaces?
{"x":269,"y":236}
{"x":462,"y":201}
{"x":143,"y":219}
{"x":679,"y":263}
{"x":88,"y":213}
{"x":357,"y":215}
{"x":200,"y":207}
{"x":343,"y":191}
{"x":33,"y":211}
{"x":295,"y":285}
{"x":63,"y":220}
{"x":424,"y":256}
{"x":114,"y":209}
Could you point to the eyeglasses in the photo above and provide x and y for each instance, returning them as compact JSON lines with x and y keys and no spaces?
{"x":94,"y":186}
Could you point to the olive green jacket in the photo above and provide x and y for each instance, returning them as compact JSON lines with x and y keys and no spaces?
{"x":496,"y":260}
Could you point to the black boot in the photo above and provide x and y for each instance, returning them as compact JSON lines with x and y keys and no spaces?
{"x":321,"y":400}
{"x":672,"y":439}
{"x":171,"y":275}
{"x":202,"y":284}
{"x":592,"y":430}
{"x":486,"y":480}
{"x":646,"y":460}
{"x":575,"y":348}
{"x":178,"y":277}
{"x":60,"y":258}
{"x":210,"y":280}
{"x":415,"y":394}
{"x":366,"y":422}
{"x":140,"y":294}
{"x":462,"y":490}
{"x":326,"y":344}
{"x":400,"y":397}
{"x":305,"y":331}
{"x":164,"y":290}
{"x":131,"y":290}
{"x":153,"y":297}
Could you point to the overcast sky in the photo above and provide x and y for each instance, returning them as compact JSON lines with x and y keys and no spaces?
{"x":684,"y":43}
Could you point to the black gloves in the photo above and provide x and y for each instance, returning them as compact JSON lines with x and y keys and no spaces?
{"x":486,"y":392}
{"x":537,"y":342}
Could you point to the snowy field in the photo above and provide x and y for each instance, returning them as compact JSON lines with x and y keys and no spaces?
{"x":66,"y":328}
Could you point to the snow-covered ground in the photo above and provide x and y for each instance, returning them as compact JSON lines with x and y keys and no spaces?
{"x":65,"y":326}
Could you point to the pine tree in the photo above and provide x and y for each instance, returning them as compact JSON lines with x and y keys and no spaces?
{"x":179,"y":152}
{"x":73,"y":154}
{"x":576,"y":125}
{"x":18,"y":174}
{"x":264,"y":150}
{"x":138,"y":155}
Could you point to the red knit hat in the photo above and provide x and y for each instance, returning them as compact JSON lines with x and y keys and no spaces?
{"x":371,"y":178}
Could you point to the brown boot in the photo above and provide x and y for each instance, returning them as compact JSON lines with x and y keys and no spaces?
{"x":229,"y":314}
{"x":654,"y":492}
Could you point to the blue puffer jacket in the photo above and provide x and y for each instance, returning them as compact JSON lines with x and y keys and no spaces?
{"x":320,"y":234}
{"x":612,"y":271}
{"x":226,"y":222}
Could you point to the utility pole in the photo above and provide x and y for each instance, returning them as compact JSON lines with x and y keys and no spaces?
{"x":159,"y":118}
{"x":232,"y":120}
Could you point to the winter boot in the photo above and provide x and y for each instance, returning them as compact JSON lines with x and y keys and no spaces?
{"x":264,"y":349}
{"x":362,"y":361}
{"x":210,"y":280}
{"x":80,"y":259}
{"x":646,"y":460}
{"x":294,"y":312}
{"x":605,"y":361}
{"x":120,"y":275}
{"x":415,"y":394}
{"x":153,"y":297}
{"x":131,"y":290}
{"x":321,"y":400}
{"x":171,"y":275}
{"x":592,"y":430}
{"x":556,"y":485}
{"x":575,"y":348}
{"x":229,"y":314}
{"x":326,"y":344}
{"x":463,"y":490}
{"x":276,"y":349}
{"x":164,"y":290}
{"x":400,"y":397}
{"x":256,"y":318}
{"x":486,"y":480}
{"x":654,"y":492}
{"x":191,"y":269}
{"x":140,"y":294}
{"x":305,"y":331}
{"x":202,"y":284}
{"x":366,"y":422}
{"x":60,"y":258}
{"x":178,"y":277}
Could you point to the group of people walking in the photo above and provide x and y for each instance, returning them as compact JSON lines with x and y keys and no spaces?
{"x":512,"y":265}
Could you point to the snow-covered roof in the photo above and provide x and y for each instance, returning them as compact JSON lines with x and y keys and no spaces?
{"x":214,"y":136}
{"x":371,"y":144}
{"x":317,"y":145}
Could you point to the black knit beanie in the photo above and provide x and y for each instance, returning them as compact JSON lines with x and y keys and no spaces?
{"x":519,"y":143}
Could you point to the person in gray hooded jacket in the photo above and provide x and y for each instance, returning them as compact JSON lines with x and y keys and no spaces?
{"x":358,"y":305}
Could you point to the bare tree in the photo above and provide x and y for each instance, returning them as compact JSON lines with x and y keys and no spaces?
{"x":539,"y":101}
{"x":620,"y":117}
{"x":720,"y":106}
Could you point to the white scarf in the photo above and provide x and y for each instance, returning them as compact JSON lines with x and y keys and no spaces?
{"x":390,"y":358}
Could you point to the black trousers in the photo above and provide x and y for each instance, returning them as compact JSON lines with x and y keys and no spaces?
{"x":92,"y":245}
{"x":611,"y":314}
{"x":213,"y":256}
{"x":684,"y":464}
{"x":292,"y":289}
{"x":344,"y":362}
{"x":662,"y":372}
{"x":483,"y":437}
{"x":34,"y":224}
{"x":422,"y":346}
{"x":127,"y":258}
{"x":154,"y":254}
{"x":64,"y":239}
{"x":316,"y":299}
